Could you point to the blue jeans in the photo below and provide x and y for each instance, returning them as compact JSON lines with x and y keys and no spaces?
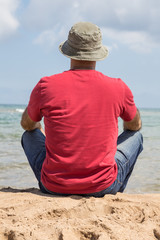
{"x":129,"y":146}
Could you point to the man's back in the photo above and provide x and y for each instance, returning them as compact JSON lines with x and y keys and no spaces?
{"x":80,"y":153}
{"x":80,"y":109}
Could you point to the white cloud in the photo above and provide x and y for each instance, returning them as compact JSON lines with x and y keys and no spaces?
{"x":133,"y":23}
{"x":8,"y":21}
{"x":138,"y":41}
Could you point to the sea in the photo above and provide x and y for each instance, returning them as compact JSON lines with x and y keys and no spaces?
{"x":15,"y":171}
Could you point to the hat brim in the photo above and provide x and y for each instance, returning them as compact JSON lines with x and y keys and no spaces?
{"x":85,"y":55}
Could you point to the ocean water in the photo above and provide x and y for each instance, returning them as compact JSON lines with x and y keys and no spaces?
{"x":16,"y":172}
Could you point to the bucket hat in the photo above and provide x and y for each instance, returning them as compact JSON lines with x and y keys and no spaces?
{"x":84,"y":43}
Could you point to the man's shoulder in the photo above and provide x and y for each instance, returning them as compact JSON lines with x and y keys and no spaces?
{"x":51,"y":77}
{"x":112,"y":80}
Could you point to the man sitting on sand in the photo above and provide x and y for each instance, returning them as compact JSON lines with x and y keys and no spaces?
{"x":80,"y":151}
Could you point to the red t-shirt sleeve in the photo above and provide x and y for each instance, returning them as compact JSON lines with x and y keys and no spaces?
{"x":129,"y":107}
{"x":34,"y":104}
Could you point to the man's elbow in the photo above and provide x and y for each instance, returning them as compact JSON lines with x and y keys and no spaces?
{"x":29,"y":125}
{"x":137,"y":126}
{"x":24,"y":125}
{"x":26,"y":122}
{"x":134,"y":125}
{"x":132,"y":128}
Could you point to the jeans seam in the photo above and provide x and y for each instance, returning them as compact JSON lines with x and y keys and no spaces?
{"x":119,"y":181}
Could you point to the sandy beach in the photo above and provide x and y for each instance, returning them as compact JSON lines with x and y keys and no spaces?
{"x":29,"y":214}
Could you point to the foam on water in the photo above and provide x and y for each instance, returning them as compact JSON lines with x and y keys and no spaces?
{"x":20,"y":110}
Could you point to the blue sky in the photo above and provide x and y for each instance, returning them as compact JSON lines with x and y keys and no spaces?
{"x":31,"y":31}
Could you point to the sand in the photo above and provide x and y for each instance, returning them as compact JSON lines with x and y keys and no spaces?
{"x":29,"y":214}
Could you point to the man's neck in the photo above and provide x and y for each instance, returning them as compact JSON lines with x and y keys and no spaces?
{"x":82,"y":68}
{"x":88,"y":65}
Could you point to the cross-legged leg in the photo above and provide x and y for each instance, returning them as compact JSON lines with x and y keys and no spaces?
{"x":33,"y":143}
{"x":129,"y":146}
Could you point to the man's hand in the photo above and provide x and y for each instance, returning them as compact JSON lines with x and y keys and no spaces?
{"x":135,"y":124}
{"x":27,"y":123}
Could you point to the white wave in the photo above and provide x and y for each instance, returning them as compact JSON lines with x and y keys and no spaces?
{"x":20,"y":110}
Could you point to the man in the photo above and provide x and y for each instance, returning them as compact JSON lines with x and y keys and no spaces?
{"x":80,"y":153}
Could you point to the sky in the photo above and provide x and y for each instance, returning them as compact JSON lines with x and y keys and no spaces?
{"x":31,"y":31}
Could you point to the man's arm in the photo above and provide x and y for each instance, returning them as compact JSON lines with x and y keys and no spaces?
{"x":135,"y":124}
{"x":27,"y":123}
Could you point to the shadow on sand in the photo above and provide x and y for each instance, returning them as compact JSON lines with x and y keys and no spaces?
{"x":36,"y":191}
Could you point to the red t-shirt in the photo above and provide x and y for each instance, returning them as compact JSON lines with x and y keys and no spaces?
{"x":80,"y":110}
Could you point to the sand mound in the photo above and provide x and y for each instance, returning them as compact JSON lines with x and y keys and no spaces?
{"x":29,"y":214}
